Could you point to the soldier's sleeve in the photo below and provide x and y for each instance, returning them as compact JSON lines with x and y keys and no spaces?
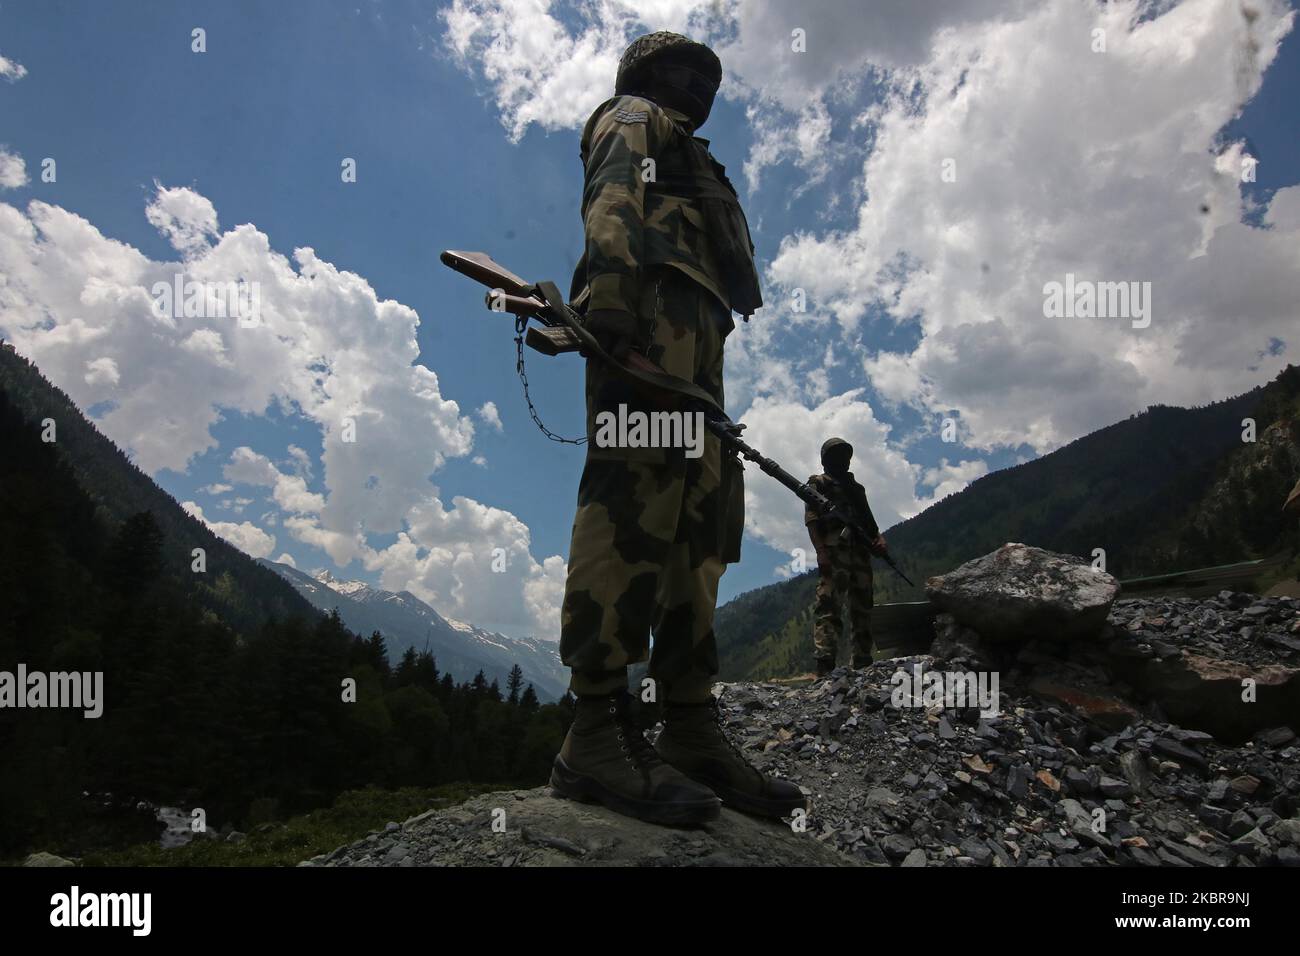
{"x":621,"y":139}
{"x":810,"y":516}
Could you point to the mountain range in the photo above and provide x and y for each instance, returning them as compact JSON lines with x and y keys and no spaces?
{"x":408,"y":623}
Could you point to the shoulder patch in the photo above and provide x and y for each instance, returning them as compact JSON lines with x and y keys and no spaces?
{"x":631,"y":116}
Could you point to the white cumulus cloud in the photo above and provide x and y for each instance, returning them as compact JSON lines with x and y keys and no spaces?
{"x":245,"y":535}
{"x":537,"y":68}
{"x":11,"y":70}
{"x":326,"y":349}
{"x":13,"y":171}
{"x":1067,"y":161}
{"x":490,"y":416}
{"x":102,"y":371}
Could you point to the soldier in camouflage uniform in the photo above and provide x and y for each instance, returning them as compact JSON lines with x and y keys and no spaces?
{"x":844,"y":562}
{"x":667,"y":260}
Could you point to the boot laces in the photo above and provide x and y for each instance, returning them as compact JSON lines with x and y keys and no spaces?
{"x":636,"y":749}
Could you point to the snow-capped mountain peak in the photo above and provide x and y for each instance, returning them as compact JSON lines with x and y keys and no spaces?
{"x":352,"y":589}
{"x":408,"y":623}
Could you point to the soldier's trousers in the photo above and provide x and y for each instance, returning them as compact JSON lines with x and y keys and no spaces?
{"x":654,"y":528}
{"x":849,"y":582}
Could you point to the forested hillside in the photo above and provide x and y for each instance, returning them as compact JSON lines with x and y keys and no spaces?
{"x":223,"y":691}
{"x":239,"y":591}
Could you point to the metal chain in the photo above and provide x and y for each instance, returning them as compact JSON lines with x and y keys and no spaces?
{"x":521,"y":322}
{"x":659,"y":310}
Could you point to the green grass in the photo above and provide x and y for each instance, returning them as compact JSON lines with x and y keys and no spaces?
{"x":353,"y":815}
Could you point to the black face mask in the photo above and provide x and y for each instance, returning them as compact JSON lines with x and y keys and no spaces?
{"x":682,"y":88}
{"x":838,"y":464}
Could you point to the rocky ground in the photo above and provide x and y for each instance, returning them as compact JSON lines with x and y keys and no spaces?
{"x":1181,"y":660}
{"x":535,"y":828}
{"x":1242,"y":627}
{"x":927,"y":787}
{"x":1054,"y":779}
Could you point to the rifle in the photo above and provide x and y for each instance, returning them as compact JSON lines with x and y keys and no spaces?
{"x":562,"y":331}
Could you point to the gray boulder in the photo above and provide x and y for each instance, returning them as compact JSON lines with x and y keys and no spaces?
{"x":1019,"y":593}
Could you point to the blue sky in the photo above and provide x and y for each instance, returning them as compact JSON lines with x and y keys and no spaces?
{"x":463,"y":120}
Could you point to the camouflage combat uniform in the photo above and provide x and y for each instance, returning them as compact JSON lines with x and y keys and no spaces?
{"x":668,"y":259}
{"x":654,"y":529}
{"x":846,"y":576}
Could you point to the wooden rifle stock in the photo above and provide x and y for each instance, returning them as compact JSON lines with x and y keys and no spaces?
{"x":480,"y":267}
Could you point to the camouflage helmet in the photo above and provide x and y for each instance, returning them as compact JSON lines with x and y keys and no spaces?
{"x":670,"y":67}
{"x":829,"y":446}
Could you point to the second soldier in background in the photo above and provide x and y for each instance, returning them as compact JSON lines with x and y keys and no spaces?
{"x":843,"y":561}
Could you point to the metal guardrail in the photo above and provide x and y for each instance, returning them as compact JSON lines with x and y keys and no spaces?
{"x":1203,"y":582}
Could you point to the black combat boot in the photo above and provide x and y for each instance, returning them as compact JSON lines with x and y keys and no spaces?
{"x":694,"y":742}
{"x":824,"y":666}
{"x":606,"y":759}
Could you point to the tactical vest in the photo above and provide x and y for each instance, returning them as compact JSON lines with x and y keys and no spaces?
{"x":686,"y":170}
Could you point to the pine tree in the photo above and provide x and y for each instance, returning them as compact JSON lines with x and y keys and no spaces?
{"x":514,"y":682}
{"x":426,"y":672}
{"x":377,"y":653}
{"x":405,"y":673}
